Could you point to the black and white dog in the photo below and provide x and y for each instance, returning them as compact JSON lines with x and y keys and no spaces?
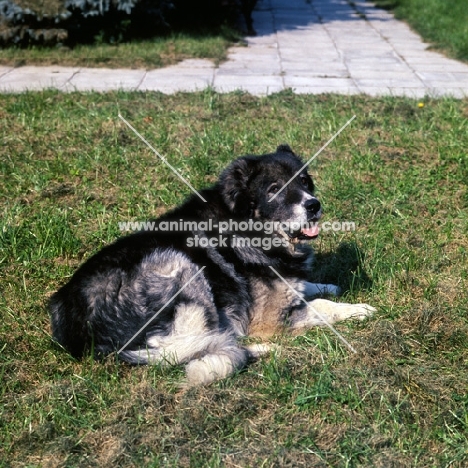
{"x":145,"y":297}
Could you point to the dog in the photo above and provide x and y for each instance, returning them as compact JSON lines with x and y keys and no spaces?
{"x":187,"y":296}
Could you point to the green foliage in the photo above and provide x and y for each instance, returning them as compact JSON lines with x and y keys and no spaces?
{"x":145,"y":54}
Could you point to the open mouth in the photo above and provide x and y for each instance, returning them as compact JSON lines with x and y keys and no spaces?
{"x":307,"y":232}
{"x":310,"y":232}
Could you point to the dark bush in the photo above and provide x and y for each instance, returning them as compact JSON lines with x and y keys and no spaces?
{"x":116,"y":20}
{"x":25,"y":22}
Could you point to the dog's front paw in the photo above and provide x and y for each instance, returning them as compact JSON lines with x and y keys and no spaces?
{"x":257,"y":350}
{"x":318,"y":289}
{"x":335,"y":312}
{"x":358,"y":311}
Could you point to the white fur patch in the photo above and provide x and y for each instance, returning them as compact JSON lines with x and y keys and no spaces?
{"x":212,"y":367}
{"x":332,"y":312}
{"x":189,"y":319}
{"x":166,"y":263}
{"x":260,"y":349}
{"x":177,"y":349}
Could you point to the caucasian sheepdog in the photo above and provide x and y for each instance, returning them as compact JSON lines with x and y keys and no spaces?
{"x":238,"y":267}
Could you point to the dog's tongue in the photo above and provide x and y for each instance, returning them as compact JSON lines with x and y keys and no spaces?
{"x":312,"y":231}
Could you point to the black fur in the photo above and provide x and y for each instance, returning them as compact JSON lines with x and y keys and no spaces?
{"x":119,"y":289}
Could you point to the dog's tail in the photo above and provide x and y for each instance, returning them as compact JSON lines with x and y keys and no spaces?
{"x":209,"y":356}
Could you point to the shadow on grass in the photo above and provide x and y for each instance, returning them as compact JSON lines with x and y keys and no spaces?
{"x":342,"y":267}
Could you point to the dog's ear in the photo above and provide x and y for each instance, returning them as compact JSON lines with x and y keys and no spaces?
{"x":284,"y":149}
{"x":234,"y":185}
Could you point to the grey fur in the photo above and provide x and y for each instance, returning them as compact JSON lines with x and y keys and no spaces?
{"x":135,"y":284}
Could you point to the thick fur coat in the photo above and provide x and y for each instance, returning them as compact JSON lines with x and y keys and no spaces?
{"x":145,"y":297}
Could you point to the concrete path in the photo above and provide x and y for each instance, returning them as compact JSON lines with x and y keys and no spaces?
{"x":310,"y":46}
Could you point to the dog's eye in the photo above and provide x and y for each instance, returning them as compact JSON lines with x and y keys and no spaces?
{"x":273,"y":188}
{"x":304,"y":181}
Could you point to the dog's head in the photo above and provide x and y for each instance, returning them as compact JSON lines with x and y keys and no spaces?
{"x":274,"y":187}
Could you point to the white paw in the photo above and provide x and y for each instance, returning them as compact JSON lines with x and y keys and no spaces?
{"x":357,"y":311}
{"x":208,"y":369}
{"x":260,"y":349}
{"x":332,"y":312}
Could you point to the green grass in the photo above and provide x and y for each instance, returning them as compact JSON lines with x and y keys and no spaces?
{"x":71,"y":170}
{"x":441,"y":22}
{"x":149,"y":54}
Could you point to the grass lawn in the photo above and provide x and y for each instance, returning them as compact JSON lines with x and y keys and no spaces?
{"x":150,"y":54}
{"x":71,"y":171}
{"x":441,"y":22}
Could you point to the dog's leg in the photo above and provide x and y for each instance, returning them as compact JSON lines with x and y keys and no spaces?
{"x":229,"y":359}
{"x":216,"y":365}
{"x":209,"y":357}
{"x":321,"y":311}
{"x":317,"y":289}
{"x":258,"y":350}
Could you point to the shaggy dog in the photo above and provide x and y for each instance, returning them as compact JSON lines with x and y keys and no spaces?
{"x":205,"y":275}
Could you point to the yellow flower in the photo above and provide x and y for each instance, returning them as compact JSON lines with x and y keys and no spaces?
{"x":420,"y":104}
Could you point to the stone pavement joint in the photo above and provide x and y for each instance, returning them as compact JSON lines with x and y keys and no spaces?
{"x":309,"y":46}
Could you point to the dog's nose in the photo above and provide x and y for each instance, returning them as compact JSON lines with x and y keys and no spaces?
{"x":312,"y":206}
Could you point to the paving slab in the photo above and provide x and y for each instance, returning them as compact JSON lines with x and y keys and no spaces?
{"x":188,"y":76}
{"x":309,"y":46}
{"x":5,"y":70}
{"x":256,"y":85}
{"x":96,"y":79}
{"x":35,"y":78}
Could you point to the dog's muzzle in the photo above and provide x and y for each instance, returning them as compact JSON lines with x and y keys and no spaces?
{"x":312,"y":207}
{"x":314,"y":213}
